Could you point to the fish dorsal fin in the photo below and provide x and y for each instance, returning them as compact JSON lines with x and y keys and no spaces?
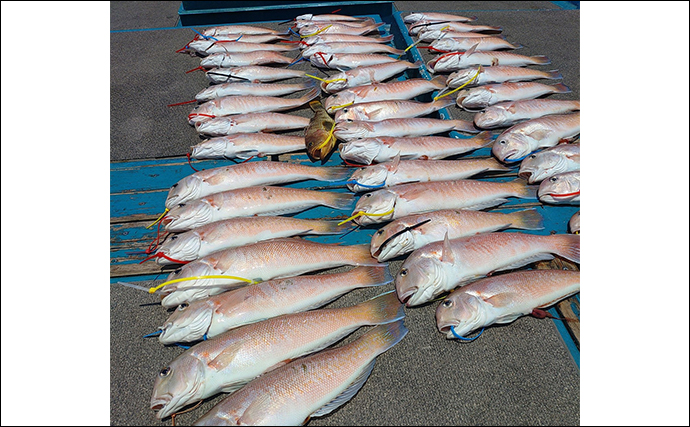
{"x":447,"y":253}
{"x":348,"y":393}
{"x":471,"y":50}
{"x":393,"y":165}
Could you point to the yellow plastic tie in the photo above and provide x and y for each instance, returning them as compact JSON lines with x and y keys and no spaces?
{"x":152,"y":290}
{"x":328,"y":138}
{"x":337,"y":107}
{"x":325,"y":81}
{"x":445,"y":28}
{"x":455,"y":90}
{"x":318,"y":32}
{"x":360,"y":213}
{"x":410,"y":47}
{"x":159,"y":218}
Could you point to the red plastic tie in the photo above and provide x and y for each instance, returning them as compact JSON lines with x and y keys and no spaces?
{"x":323,"y":59}
{"x":352,"y":164}
{"x":162,"y":255}
{"x":194,"y":69}
{"x":338,"y":10}
{"x":247,"y":160}
{"x":182,"y":103}
{"x":189,"y":160}
{"x":566,"y":195}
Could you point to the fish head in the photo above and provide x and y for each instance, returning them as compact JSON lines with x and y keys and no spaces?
{"x":413,"y":17}
{"x":219,"y":126}
{"x":305,"y":17}
{"x":538,"y":166}
{"x":445,"y":62}
{"x":350,"y":129}
{"x":336,"y":83}
{"x":393,"y":239}
{"x":177,"y":385}
{"x":189,"y":322}
{"x":443,"y":44}
{"x":186,"y":216}
{"x":353,"y":112}
{"x":213,"y":148}
{"x":337,"y":100}
{"x":475,"y":98}
{"x":188,"y":188}
{"x":180,"y":292}
{"x":362,"y":151}
{"x":212,"y":61}
{"x":320,"y":59}
{"x":460,"y":77}
{"x":574,"y":223}
{"x":462,"y":311}
{"x":370,"y":176}
{"x":183,"y":247}
{"x":314,"y":48}
{"x":377,"y":202}
{"x":430,"y":34}
{"x":422,"y":276}
{"x":306,"y":28}
{"x":206,"y":94}
{"x":491,"y":118}
{"x":561,"y":188}
{"x":510,"y":146}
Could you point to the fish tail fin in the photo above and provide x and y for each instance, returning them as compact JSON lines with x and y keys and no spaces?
{"x":385,"y":308}
{"x":527,"y":220}
{"x":524,"y":191}
{"x":371,"y":276}
{"x":516,"y":45}
{"x":384,"y":39}
{"x":443,"y":103}
{"x":328,"y":227}
{"x":360,"y":255}
{"x":567,"y":246}
{"x":541,"y":59}
{"x":417,"y":64}
{"x":492,"y":164}
{"x":465,"y":126}
{"x":493,"y":28}
{"x":340,"y":201}
{"x":553,"y":74}
{"x":396,"y":51}
{"x":335,"y":173}
{"x":385,"y":336}
{"x":484,"y":139}
{"x":561,"y":88}
{"x":309,"y":96}
{"x":439,"y":81}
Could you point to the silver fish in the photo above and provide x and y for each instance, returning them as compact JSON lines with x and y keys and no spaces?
{"x":480,"y":97}
{"x":366,"y":75}
{"x":506,"y":114}
{"x":563,"y":188}
{"x":552,"y":161}
{"x":250,"y":88}
{"x":350,"y":47}
{"x":349,"y":130}
{"x":451,"y":44}
{"x":574,"y":223}
{"x":238,"y":59}
{"x":250,"y":122}
{"x":454,"y":61}
{"x":396,"y":109}
{"x":251,"y":73}
{"x":497,"y":74}
{"x":247,"y":145}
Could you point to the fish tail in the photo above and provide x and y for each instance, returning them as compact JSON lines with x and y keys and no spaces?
{"x":561,"y":88}
{"x":383,"y":337}
{"x":443,"y":103}
{"x":340,"y":201}
{"x":492,"y":28}
{"x":484,"y":139}
{"x":335,"y":173}
{"x":567,"y":246}
{"x":524,"y":191}
{"x":527,"y":220}
{"x":516,"y":45}
{"x":465,"y":126}
{"x":309,"y":96}
{"x":418,"y":64}
{"x":328,"y":227}
{"x":360,"y":255}
{"x":439,"y":81}
{"x":372,"y":276}
{"x":492,"y":164}
{"x":553,"y":74}
{"x":394,"y":51}
{"x":384,"y":39}
{"x":385,"y":308}
{"x":541,"y":59}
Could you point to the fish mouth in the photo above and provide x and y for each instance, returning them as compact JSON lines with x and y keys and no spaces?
{"x":525,"y":174}
{"x":407,"y":295}
{"x":445,"y":328}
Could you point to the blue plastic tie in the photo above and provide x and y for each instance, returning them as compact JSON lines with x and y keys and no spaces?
{"x":293,"y":32}
{"x":183,"y":346}
{"x":160,"y":331}
{"x":205,"y":337}
{"x":452,"y":329}
{"x":295,"y":62}
{"x":205,"y":37}
{"x":238,"y":39}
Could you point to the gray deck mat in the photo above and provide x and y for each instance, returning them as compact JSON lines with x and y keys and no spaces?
{"x":516,"y":374}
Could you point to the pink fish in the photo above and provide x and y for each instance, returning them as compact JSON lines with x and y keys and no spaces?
{"x":247,"y":145}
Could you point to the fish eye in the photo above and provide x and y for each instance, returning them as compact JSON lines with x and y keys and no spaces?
{"x":380,"y":232}
{"x":447,"y":303}
{"x":367,"y":195}
{"x":344,"y":110}
{"x":164,"y":372}
{"x":349,"y":120}
{"x":177,"y":271}
{"x":403,"y":272}
{"x":554,"y":179}
{"x":174,"y":185}
{"x":503,"y":141}
{"x":182,"y":306}
{"x":173,"y":238}
{"x":182,"y":205}
{"x":533,"y":156}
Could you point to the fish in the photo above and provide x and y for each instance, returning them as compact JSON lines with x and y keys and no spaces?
{"x":481,"y":97}
{"x":563,"y":188}
{"x":503,"y":299}
{"x":366,"y":75}
{"x":454,"y":44}
{"x":454,"y":61}
{"x":546,"y":163}
{"x":340,"y":28}
{"x":251,"y":73}
{"x":395,"y":172}
{"x":574,"y":223}
{"x":405,"y":89}
{"x":237,"y":29}
{"x":508,"y":113}
{"x":318,"y":136}
{"x":208,"y":47}
{"x":497,"y":74}
{"x":339,"y":38}
{"x":436,"y":16}
{"x":409,"y":199}
{"x":429,"y":35}
{"x":246,"y":146}
{"x":518,"y":141}
{"x":244,"y":104}
{"x":350,"y":47}
{"x":249,"y":201}
{"x":248,"y":38}
{"x":237,"y":356}
{"x":348,"y":61}
{"x":328,"y":23}
{"x":250,"y":88}
{"x":442,"y":266}
{"x":329,"y":17}
{"x":210,"y":317}
{"x":394,"y":109}
{"x":234,"y":232}
{"x":232,"y":177}
{"x":266,"y":260}
{"x":237,"y":59}
{"x":349,"y":130}
{"x":382,"y":149}
{"x":250,"y":122}
{"x":452,"y":26}
{"x":310,"y":387}
{"x":412,"y":232}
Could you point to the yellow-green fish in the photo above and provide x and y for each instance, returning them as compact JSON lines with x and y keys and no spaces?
{"x":319,"y":137}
